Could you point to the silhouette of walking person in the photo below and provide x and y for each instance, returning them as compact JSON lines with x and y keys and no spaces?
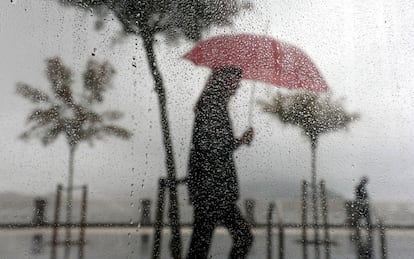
{"x":212,"y":178}
{"x":364,"y":245}
{"x":362,"y":202}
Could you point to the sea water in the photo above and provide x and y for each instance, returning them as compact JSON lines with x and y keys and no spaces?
{"x":110,"y":243}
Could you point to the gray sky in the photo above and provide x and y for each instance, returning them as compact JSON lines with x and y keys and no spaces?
{"x":364,"y":49}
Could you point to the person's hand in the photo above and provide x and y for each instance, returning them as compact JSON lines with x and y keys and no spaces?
{"x":247,"y":136}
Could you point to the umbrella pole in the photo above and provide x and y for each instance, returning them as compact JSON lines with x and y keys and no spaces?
{"x":251,"y":100}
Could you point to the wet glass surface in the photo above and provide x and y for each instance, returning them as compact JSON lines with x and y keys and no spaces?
{"x":232,"y":105}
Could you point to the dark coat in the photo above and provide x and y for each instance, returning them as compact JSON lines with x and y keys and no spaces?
{"x":361,"y":191}
{"x":212,"y":177}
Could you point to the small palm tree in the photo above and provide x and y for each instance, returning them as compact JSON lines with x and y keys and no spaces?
{"x":316,"y":115}
{"x":59,"y":112}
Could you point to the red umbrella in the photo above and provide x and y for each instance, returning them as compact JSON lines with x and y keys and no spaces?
{"x":261,"y":58}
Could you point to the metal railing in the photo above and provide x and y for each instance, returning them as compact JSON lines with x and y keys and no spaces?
{"x":269,"y":226}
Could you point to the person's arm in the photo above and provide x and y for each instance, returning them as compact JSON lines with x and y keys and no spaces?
{"x":246,"y":138}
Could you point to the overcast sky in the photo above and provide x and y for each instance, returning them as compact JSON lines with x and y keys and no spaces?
{"x":364,"y":49}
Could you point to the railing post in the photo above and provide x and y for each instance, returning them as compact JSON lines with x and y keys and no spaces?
{"x":327,"y":239}
{"x":145,"y":218}
{"x":281,"y":231}
{"x":145,"y":212}
{"x":56,"y":221}
{"x":281,"y":241}
{"x":250,"y":205}
{"x":269,"y":231}
{"x":83,"y":221}
{"x":37,"y":244}
{"x":383,"y":240}
{"x":304,"y":219}
{"x":39,"y":212}
{"x":159,"y":218}
{"x":38,"y":221}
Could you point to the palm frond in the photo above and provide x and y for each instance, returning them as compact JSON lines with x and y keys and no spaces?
{"x":31,"y":93}
{"x":60,"y":78}
{"x":91,"y":133}
{"x":52,"y":133}
{"x":112,"y":115}
{"x":26,"y":135}
{"x":97,"y":79}
{"x":93,"y":117}
{"x":35,"y":131}
{"x":44,"y":116}
{"x":116,"y":131}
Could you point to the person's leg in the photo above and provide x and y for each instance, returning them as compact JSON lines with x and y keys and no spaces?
{"x":203,"y":228}
{"x":239,"y":230}
{"x":368,"y":215}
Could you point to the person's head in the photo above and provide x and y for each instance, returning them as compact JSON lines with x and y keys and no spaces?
{"x":364,"y":180}
{"x":227,"y":78}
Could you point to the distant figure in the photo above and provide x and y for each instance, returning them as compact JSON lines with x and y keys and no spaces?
{"x":362,"y":202}
{"x":362,"y":211}
{"x":212,"y":178}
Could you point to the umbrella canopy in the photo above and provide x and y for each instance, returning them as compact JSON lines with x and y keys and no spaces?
{"x":261,"y":58}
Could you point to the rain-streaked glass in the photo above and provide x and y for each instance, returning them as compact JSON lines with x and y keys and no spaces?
{"x":125,"y":122}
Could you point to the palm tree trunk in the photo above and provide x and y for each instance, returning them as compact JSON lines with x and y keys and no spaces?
{"x":314,"y":142}
{"x":69,"y":200}
{"x":175,"y":244}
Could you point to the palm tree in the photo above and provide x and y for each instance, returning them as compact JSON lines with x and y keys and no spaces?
{"x":175,"y":19}
{"x":60,"y":113}
{"x":316,"y":115}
